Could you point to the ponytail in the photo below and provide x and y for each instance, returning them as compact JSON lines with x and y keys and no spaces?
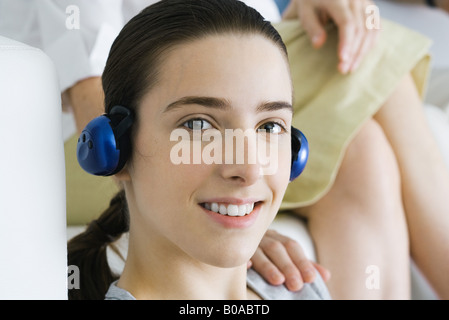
{"x":87,"y":250}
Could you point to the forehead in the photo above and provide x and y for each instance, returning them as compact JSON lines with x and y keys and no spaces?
{"x":226,"y":66}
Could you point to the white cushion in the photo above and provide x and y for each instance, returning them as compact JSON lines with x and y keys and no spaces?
{"x":429,"y":21}
{"x":33,"y":249}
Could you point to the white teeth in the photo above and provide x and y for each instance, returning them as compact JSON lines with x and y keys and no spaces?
{"x":223,"y":209}
{"x":214,"y":207}
{"x":231,"y":209}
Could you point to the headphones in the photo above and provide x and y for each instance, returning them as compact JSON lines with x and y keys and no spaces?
{"x":104,"y":145}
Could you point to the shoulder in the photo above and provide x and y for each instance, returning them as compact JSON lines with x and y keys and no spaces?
{"x":311,"y":291}
{"x":116,"y":293}
{"x":316,"y":290}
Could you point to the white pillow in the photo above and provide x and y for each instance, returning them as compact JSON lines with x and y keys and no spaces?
{"x":429,"y":21}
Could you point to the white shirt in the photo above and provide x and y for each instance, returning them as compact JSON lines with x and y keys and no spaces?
{"x":77,"y":34}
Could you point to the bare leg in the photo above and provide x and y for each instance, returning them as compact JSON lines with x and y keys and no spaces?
{"x":425,"y":183}
{"x":361,"y":222}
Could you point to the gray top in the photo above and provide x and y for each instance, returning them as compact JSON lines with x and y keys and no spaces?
{"x":311,"y":291}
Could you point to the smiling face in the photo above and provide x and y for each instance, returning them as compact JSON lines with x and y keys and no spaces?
{"x":213,"y":213}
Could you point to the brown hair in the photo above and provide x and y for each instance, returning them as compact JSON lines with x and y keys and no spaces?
{"x":131,"y":70}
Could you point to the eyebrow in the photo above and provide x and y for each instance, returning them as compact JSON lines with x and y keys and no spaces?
{"x":210,"y":102}
{"x":274,"y":106}
{"x":225,"y":105}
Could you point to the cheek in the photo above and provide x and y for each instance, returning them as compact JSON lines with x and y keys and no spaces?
{"x":163,"y":194}
{"x":280,"y":170}
{"x":162,"y":181}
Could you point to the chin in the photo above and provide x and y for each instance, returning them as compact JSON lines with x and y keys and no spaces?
{"x":230,"y":258}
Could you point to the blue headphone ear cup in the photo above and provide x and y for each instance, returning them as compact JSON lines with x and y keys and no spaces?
{"x":97,"y":150}
{"x":300,"y":153}
{"x":104,"y":145}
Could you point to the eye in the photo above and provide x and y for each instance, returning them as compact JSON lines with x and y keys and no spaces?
{"x":197,"y":124}
{"x":272,"y":127}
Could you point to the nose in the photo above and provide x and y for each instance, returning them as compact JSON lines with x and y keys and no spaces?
{"x":241,"y":164}
{"x":242,"y":174}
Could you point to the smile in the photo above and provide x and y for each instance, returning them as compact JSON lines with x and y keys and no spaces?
{"x":232,"y":210}
{"x":233,"y":213}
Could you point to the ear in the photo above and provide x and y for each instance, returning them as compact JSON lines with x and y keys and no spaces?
{"x":123,"y":175}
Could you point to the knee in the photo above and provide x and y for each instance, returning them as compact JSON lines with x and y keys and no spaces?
{"x":369,"y":169}
{"x":368,"y":182}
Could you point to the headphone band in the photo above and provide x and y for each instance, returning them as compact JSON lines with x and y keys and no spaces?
{"x":124,"y":123}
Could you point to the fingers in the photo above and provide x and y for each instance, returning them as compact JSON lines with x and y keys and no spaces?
{"x":312,"y":24}
{"x":280,"y":259}
{"x":266,"y":268}
{"x":351,"y":36}
{"x":355,"y":39}
{"x":366,"y":38}
{"x":291,"y":12}
{"x":341,"y":13}
{"x":324,"y":273}
{"x":369,"y":42}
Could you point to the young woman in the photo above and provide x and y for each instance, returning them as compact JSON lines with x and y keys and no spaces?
{"x":199,"y":67}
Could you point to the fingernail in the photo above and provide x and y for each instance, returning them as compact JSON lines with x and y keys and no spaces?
{"x":308,"y":275}
{"x":276,"y":278}
{"x":345,"y":54}
{"x":317,"y":40}
{"x":294,"y":284}
{"x":344,"y":67}
{"x":328,"y":275}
